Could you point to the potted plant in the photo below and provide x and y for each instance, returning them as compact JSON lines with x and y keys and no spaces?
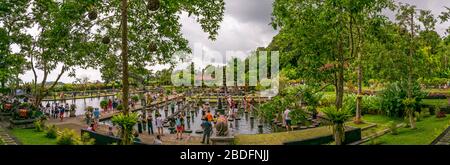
{"x":73,"y":108}
{"x":104,"y":104}
{"x":337,"y":118}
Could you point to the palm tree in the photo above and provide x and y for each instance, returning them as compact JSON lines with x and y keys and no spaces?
{"x":338,"y":119}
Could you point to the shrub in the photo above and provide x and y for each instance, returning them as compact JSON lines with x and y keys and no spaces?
{"x":120,"y":107}
{"x":439,"y":113}
{"x":328,"y":100}
{"x":52,"y":132}
{"x":135,"y":98}
{"x":104,"y":104}
{"x":86,"y":140}
{"x":67,"y":137}
{"x":393,"y":96}
{"x":39,"y":125}
{"x":392,"y":128}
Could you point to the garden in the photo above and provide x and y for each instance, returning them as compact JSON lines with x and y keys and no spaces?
{"x":349,"y":74}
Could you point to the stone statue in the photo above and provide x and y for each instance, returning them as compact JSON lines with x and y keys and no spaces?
{"x":221,"y":126}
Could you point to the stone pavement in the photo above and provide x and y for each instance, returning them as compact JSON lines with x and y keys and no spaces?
{"x":444,"y":138}
{"x":5,"y":137}
{"x":78,"y":123}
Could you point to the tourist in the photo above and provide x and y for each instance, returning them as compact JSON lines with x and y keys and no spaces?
{"x":110,"y":105}
{"x":157,"y":140}
{"x":61,"y":113}
{"x":209,"y":116}
{"x":287,"y":119}
{"x":144,"y":121}
{"x":114,"y":105}
{"x":159,"y":124}
{"x":88,"y":117}
{"x":110,"y":131}
{"x":91,"y":127}
{"x":96,"y":115}
{"x":179,"y":128}
{"x":139,"y":123}
{"x":172,"y":106}
{"x":67,"y":107}
{"x":150,"y":123}
{"x":136,"y":137}
{"x":207,"y":130}
{"x":47,"y":108}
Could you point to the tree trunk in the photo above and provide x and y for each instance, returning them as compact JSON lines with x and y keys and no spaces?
{"x":359,"y":96}
{"x":125,"y":81}
{"x":410,"y":69}
{"x":340,"y":78}
{"x":411,"y":119}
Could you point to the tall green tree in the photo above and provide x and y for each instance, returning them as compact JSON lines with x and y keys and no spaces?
{"x":12,"y":20}
{"x":150,"y":32}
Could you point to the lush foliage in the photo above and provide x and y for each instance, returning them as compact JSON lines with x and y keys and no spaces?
{"x":126,"y":123}
{"x":393,"y":96}
{"x":51,"y":132}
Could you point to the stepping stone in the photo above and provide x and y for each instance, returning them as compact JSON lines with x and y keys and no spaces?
{"x":279,"y":124}
{"x":238,"y":118}
{"x":187,"y":131}
{"x":294,"y":127}
{"x":230,"y":119}
{"x":260,"y":125}
{"x":311,"y":126}
{"x":245,"y":112}
{"x":199,"y":131}
{"x":252,"y":117}
{"x":303,"y":127}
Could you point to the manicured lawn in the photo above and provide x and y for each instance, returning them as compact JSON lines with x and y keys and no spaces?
{"x":280,"y":137}
{"x":435,"y":102}
{"x":31,"y":137}
{"x":427,"y":130}
{"x":380,"y":119}
{"x":362,"y":125}
{"x":442,"y":91}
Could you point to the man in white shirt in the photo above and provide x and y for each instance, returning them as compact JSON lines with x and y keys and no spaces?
{"x":287,"y":119}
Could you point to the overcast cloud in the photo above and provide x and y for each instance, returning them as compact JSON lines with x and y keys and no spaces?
{"x":245,"y":27}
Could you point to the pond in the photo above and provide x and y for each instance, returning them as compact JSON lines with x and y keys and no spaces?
{"x":82,"y":104}
{"x":245,"y":125}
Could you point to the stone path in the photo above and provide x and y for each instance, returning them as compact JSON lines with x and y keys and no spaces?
{"x":5,"y":137}
{"x":78,"y":123}
{"x":444,"y":138}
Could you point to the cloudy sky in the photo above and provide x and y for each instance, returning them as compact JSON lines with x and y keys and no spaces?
{"x":245,"y":27}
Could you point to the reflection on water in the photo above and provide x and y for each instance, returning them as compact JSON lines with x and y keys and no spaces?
{"x":82,"y":104}
{"x":247,"y":124}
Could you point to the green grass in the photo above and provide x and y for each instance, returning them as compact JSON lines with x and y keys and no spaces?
{"x":442,"y":91}
{"x":362,"y":125}
{"x":380,"y":119}
{"x":31,"y":137}
{"x":280,"y":137}
{"x":381,"y":122}
{"x":435,"y":102}
{"x":427,"y":130}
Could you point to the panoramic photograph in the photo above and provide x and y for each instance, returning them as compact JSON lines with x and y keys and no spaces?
{"x":224,"y":72}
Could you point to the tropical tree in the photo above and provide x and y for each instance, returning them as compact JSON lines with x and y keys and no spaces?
{"x":150,"y":31}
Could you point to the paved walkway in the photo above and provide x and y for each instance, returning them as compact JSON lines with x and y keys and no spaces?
{"x":78,"y":123}
{"x":444,"y":138}
{"x":5,"y":137}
